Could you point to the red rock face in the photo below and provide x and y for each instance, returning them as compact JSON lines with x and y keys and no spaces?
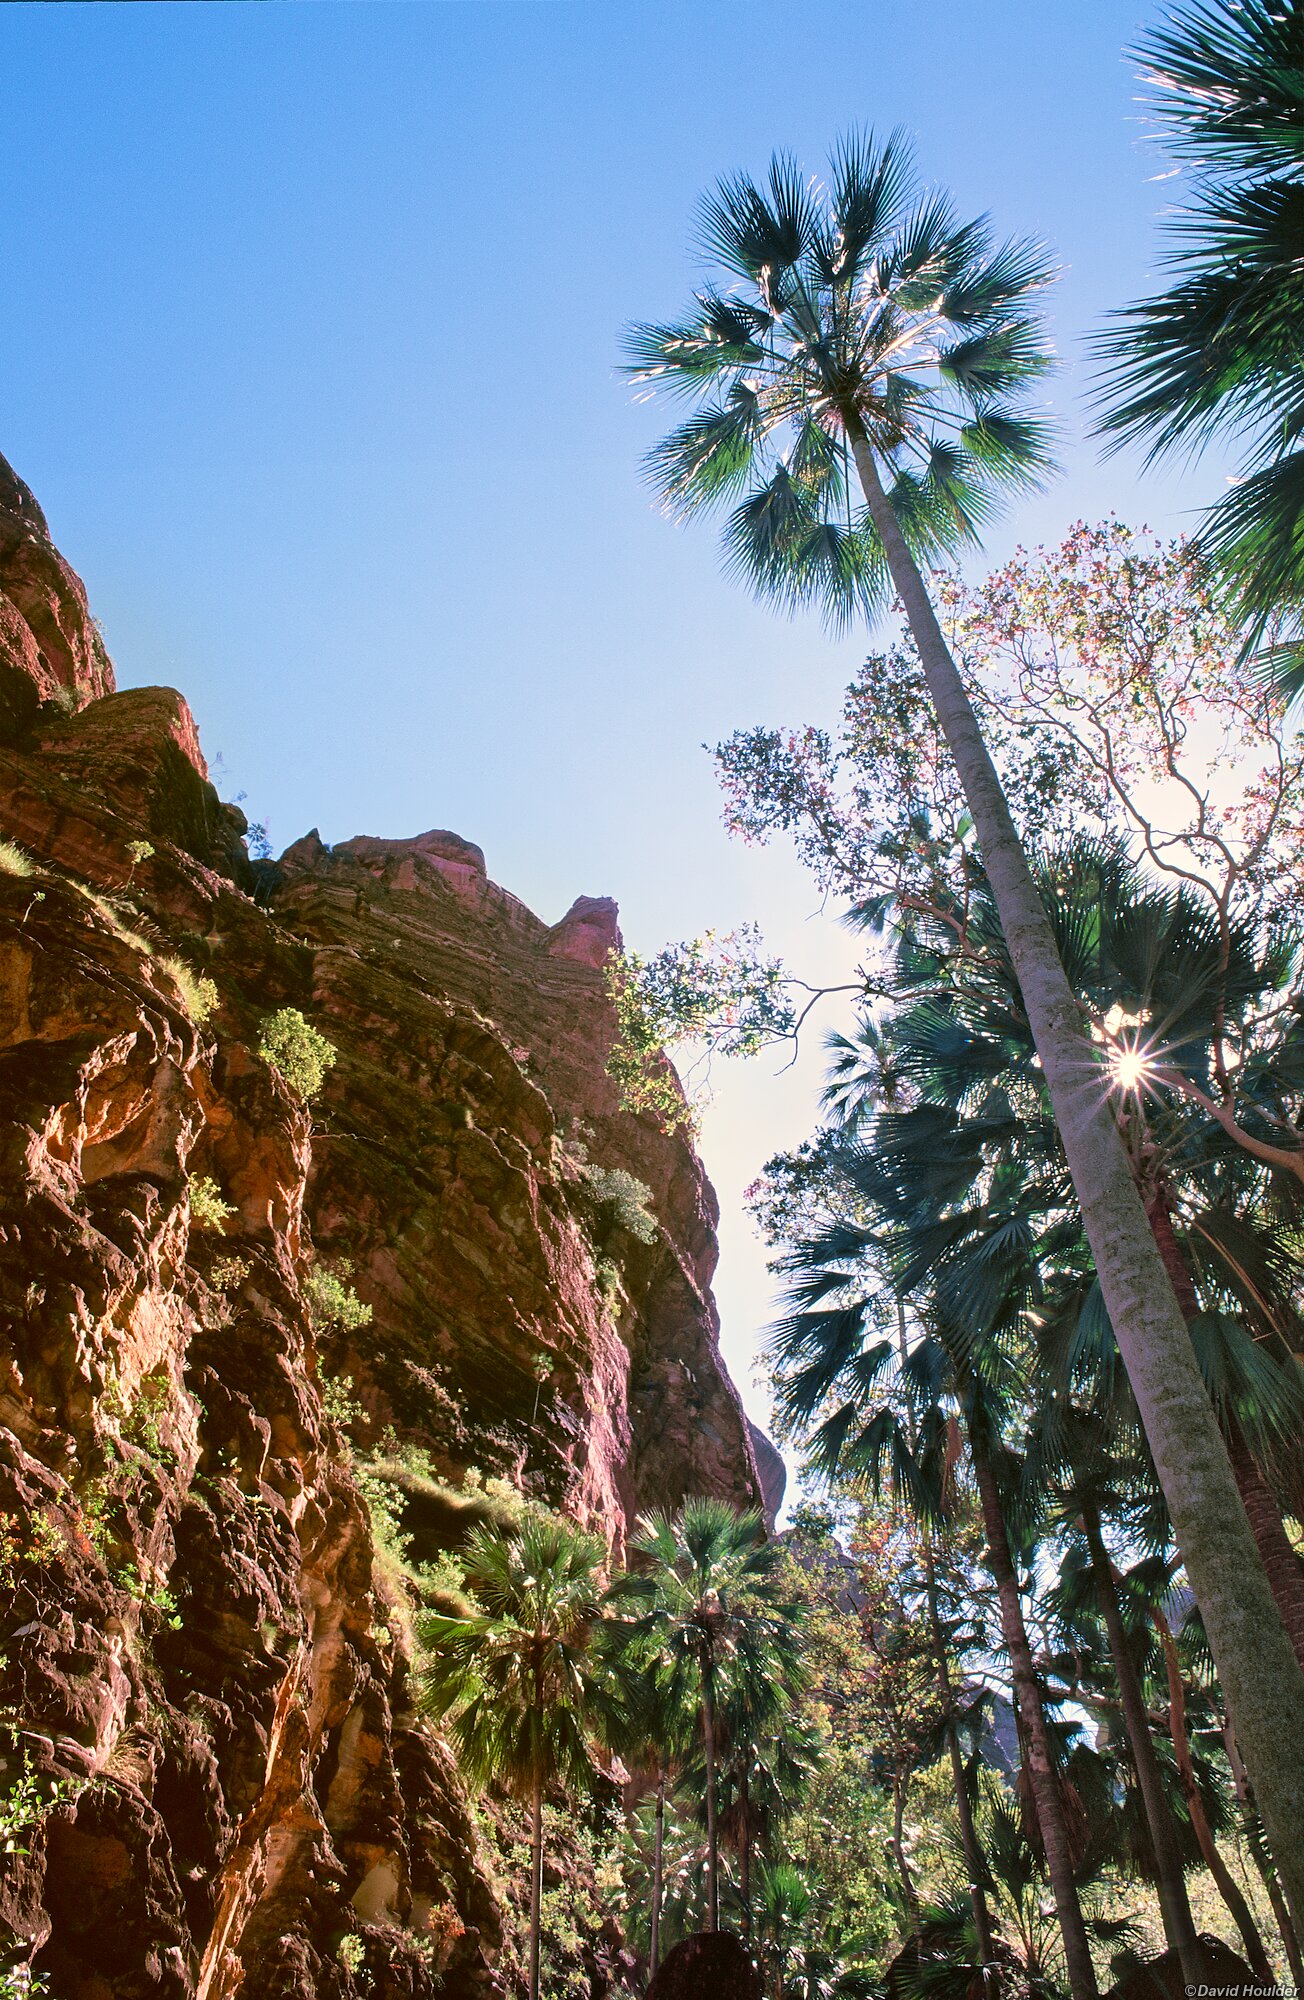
{"x":49,"y":647}
{"x":197,"y":1642}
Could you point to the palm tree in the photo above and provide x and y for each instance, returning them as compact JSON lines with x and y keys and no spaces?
{"x":832,"y":1362}
{"x":652,"y":1730}
{"x":968,"y":1181}
{"x":521,"y":1681}
{"x":802,"y":1951}
{"x":1218,"y":353}
{"x":1088,"y":1460}
{"x":764,"y":1764}
{"x":862,"y":332}
{"x":1191,"y":985}
{"x":710,"y":1594}
{"x":945,"y":1964}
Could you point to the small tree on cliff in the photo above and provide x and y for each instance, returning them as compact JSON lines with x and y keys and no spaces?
{"x":522,"y":1680}
{"x":861,"y":336}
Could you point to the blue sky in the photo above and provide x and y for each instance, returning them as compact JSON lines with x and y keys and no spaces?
{"x":312,"y":316}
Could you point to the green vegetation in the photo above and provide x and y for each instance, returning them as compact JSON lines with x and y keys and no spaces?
{"x":294,"y":1049}
{"x":620,"y":1202}
{"x":856,"y":343}
{"x":519,"y":1681}
{"x":28,"y":1800}
{"x":138,"y":852}
{"x":1215,"y":356}
{"x":1013,"y":1707}
{"x":207,"y":1208}
{"x":115,"y":916}
{"x":198,"y":992}
{"x":333,"y":1305}
{"x":709,"y":1596}
{"x":227,"y":1274}
{"x":19,"y":1982}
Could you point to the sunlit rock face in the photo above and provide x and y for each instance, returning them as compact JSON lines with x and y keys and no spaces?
{"x":196,"y":1636}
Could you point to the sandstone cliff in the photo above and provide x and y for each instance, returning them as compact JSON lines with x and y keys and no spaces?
{"x":215,"y":1780}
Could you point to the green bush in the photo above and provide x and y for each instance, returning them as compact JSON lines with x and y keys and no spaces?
{"x":198,"y":993}
{"x":207,"y":1208}
{"x":621,"y":1202}
{"x":19,"y":1982}
{"x":298,"y":1054}
{"x":334,"y":1306}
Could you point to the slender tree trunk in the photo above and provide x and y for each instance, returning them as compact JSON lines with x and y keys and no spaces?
{"x":1283,"y":1568}
{"x":1262,"y":1861}
{"x":899,"y":1847}
{"x":536,"y":1883}
{"x":973,"y":1860}
{"x":1226,"y":1883}
{"x":1170,"y":1875}
{"x":745,"y":1846}
{"x":712,"y":1841}
{"x":1260,"y":1675}
{"x":1041,"y":1768}
{"x":964,"y":1810}
{"x":658,"y":1862}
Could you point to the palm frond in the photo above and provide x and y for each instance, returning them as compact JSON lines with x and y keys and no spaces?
{"x":711,"y":455}
{"x":987,"y":284}
{"x":751,"y":231}
{"x":1229,"y":82}
{"x":870,"y":187}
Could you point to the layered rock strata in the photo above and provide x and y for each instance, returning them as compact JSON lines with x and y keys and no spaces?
{"x":211,"y":1758}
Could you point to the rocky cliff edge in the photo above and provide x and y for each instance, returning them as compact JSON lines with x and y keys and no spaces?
{"x":204,"y":1696}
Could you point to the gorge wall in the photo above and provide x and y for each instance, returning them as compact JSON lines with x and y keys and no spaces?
{"x":215,"y":1779}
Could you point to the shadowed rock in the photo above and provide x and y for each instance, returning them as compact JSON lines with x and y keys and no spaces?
{"x":1161,"y":1978}
{"x":707,"y":1967}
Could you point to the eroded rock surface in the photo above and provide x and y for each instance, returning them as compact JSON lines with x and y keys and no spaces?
{"x":198,"y":1650}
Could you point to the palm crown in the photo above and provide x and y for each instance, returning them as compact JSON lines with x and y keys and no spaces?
{"x":857,"y":311}
{"x":521,"y":1679}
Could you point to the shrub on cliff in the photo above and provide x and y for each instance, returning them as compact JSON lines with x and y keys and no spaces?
{"x":197,"y":990}
{"x":207,"y":1208}
{"x":637,"y":1062}
{"x":620,"y":1201}
{"x":298,"y":1054}
{"x":333,"y":1305}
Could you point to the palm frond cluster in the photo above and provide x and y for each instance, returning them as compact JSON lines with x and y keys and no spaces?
{"x":860,"y":308}
{"x":1217,"y":355}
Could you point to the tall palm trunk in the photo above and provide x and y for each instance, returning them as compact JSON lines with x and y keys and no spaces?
{"x":1041,"y":1769}
{"x":712,"y":1838}
{"x":536,"y":1883}
{"x":658,"y":1864}
{"x":745,"y":1843}
{"x":1170,"y":1875}
{"x":1225,"y":1881}
{"x":1262,"y":1861}
{"x":1283,"y":1568}
{"x":1260,"y":1675}
{"x":973,"y":1860}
